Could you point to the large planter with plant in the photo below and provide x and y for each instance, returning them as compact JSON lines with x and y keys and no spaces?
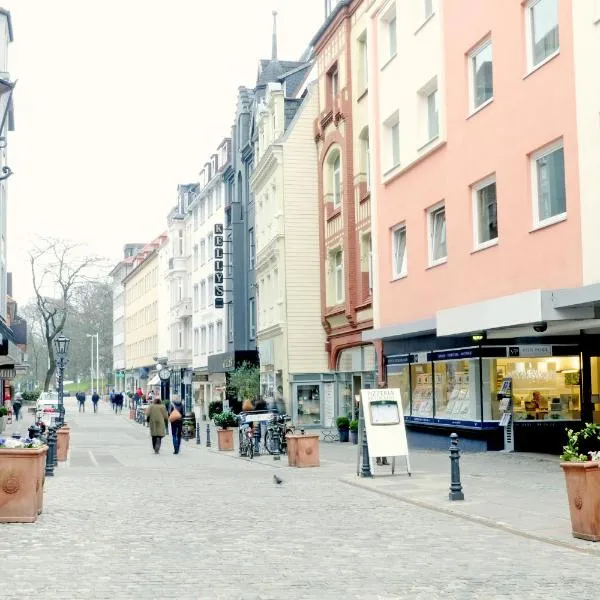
{"x":63,"y":441}
{"x":354,"y":431}
{"x":225,"y":421}
{"x":343,"y":426}
{"x":21,"y":480}
{"x":582,"y":476}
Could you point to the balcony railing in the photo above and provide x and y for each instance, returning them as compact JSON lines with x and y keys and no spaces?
{"x":183,"y":308}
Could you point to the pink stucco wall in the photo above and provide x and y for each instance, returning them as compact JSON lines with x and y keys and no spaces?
{"x":526,"y":114}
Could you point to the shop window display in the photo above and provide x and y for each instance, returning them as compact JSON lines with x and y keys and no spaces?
{"x":422,"y":395}
{"x":399,"y":377}
{"x":456,"y":384}
{"x":309,"y":405}
{"x":542,"y":388}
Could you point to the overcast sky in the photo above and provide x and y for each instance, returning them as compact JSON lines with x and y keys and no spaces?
{"x":118,"y":101}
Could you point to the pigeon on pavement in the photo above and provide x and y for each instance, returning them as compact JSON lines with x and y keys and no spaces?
{"x":277,"y":480}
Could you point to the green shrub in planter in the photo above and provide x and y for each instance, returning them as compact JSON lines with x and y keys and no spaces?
{"x":3,"y":411}
{"x":226,"y":419}
{"x":343,"y":423}
{"x":214,"y":408}
{"x":354,"y":425}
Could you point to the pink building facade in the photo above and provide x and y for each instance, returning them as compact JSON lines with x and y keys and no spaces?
{"x":484,"y":128}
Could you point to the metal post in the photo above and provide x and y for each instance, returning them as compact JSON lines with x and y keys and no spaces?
{"x":197,"y":433}
{"x":54,"y":446}
{"x":61,"y":407}
{"x":257,"y":432}
{"x":276,"y":441}
{"x":97,"y":363}
{"x":456,"y":492}
{"x":365,"y":470}
{"x":49,"y":472}
{"x":208,"y":435}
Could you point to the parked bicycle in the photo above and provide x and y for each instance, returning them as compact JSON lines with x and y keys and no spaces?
{"x":279,"y":427}
{"x":246,"y":438}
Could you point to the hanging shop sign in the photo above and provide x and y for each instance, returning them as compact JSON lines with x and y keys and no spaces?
{"x":219,"y":290}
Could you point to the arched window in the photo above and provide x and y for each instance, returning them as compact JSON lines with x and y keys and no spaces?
{"x":365,"y":156}
{"x":333,"y":176}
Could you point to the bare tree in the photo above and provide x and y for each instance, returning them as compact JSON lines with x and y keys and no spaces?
{"x":58,"y":268}
{"x":36,"y":346}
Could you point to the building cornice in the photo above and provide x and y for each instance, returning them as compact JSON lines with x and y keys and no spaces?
{"x":270,"y":160}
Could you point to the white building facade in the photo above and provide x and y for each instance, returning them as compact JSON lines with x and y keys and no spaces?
{"x":206,"y":217}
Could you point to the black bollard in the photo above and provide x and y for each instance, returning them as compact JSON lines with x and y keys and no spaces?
{"x":257,"y":432}
{"x":197,"y":433}
{"x":49,"y":458}
{"x":208,"y":435}
{"x":365,"y":470}
{"x":54,"y":440}
{"x":276,"y":443}
{"x":456,"y":492}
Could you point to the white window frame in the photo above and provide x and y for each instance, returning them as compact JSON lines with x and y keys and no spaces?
{"x":431,"y":212}
{"x":219,"y":337}
{"x":531,"y":66}
{"x":252,"y":318}
{"x":471,"y":69}
{"x":391,"y":125}
{"x":403,"y":270}
{"x":363,"y":50}
{"x":386,"y":52}
{"x":428,"y":9}
{"x":211,"y":338}
{"x":251,"y":248}
{"x":196,"y":297}
{"x":203,"y":294}
{"x":338,"y":271}
{"x":475,"y":189}
{"x":545,"y":151}
{"x":203,"y":341}
{"x":202,"y":252}
{"x":336,"y":192}
{"x":392,"y":35}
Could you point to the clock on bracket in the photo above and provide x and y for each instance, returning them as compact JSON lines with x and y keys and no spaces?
{"x":164,"y":373}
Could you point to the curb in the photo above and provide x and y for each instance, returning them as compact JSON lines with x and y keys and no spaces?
{"x":470,"y":518}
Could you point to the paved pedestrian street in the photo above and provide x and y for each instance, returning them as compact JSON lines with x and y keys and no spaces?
{"x":120,"y":522}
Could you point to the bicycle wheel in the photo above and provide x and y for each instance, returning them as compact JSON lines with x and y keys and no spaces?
{"x":241,"y":443}
{"x":270,"y":441}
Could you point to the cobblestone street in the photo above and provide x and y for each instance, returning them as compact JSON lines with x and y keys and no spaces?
{"x":120,"y":522}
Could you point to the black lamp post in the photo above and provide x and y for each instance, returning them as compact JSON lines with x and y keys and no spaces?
{"x":6,"y":92}
{"x":61,"y":346}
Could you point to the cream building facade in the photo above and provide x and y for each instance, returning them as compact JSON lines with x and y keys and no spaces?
{"x":142,"y":316}
{"x":291,"y":339}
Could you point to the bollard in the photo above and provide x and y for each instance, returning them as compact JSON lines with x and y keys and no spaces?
{"x":365,"y":470}
{"x":208,"y":435}
{"x":197,"y":433}
{"x":257,"y":432}
{"x":49,"y":459}
{"x":456,"y":492}
{"x":53,"y":438}
{"x":276,"y":443}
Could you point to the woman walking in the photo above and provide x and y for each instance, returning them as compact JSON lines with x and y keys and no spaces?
{"x":156,"y":416}
{"x":176,"y":419}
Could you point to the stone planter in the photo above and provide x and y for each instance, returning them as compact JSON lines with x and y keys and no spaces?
{"x":354,"y":437}
{"x":344,"y":434}
{"x":21,"y":484}
{"x":63,"y":439}
{"x":583,"y":492}
{"x":225,"y":439}
{"x":2,"y":424}
{"x":303,"y":450}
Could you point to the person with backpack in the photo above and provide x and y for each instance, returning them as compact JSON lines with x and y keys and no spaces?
{"x":81,"y":399}
{"x":113,"y":397}
{"x":95,"y":400}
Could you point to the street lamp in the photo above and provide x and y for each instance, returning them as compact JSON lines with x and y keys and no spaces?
{"x":6,"y":92}
{"x":61,"y":346}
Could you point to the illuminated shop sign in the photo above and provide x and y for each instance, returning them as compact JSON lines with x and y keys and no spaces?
{"x":219,"y":267}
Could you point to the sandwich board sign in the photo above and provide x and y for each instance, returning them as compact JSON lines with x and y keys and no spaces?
{"x":384,"y":424}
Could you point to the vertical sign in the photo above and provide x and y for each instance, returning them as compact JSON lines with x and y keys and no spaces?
{"x":329,"y":405}
{"x":219,"y":260}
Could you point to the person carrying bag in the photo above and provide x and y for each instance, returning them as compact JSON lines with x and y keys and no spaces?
{"x":176,"y":411}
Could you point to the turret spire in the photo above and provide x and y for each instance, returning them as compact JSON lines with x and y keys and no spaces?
{"x":274,"y":49}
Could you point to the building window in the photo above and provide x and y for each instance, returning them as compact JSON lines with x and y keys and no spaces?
{"x":219,"y":337}
{"x":252,"y":318}
{"x":196,"y":257}
{"x":334,"y":85}
{"x":363,"y":54}
{"x":195,"y":218}
{"x":368,"y":250}
{"x":180,"y":246}
{"x":428,"y":8}
{"x":202,"y":252}
{"x":203,"y":294}
{"x":392,"y":134}
{"x":437,"y":235}
{"x":202,"y":210}
{"x":481,"y":75}
{"x":542,"y":30}
{"x":179,"y":289}
{"x":433,"y":121}
{"x":211,"y":339}
{"x":196,"y":342}
{"x":251,"y":248}
{"x":391,"y":36}
{"x":485,"y":212}
{"x":210,"y":246}
{"x":549,"y":193}
{"x":334,"y":164}
{"x":203,"y":340}
{"x":196,"y":298}
{"x":365,"y":156}
{"x":211,"y":289}
{"x":338,"y":276}
{"x":218,"y":198}
{"x":229,"y":322}
{"x":180,"y":336}
{"x":399,"y":262}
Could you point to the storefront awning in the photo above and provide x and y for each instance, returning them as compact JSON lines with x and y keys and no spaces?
{"x":408,"y":329}
{"x":155,"y":380}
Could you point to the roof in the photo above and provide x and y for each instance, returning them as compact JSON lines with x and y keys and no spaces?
{"x":271,"y":70}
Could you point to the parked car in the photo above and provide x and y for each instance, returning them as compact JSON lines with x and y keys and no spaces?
{"x":47,"y":408}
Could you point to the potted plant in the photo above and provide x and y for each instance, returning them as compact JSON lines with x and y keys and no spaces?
{"x":224,"y":421}
{"x":244,"y":382}
{"x":581,"y":466}
{"x":214,"y":408}
{"x":343,"y":425}
{"x":3,"y":413}
{"x":22,"y":464}
{"x":354,"y":431}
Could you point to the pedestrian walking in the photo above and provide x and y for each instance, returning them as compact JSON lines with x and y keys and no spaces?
{"x":176,"y":419}
{"x":156,"y":416}
{"x":81,"y":399}
{"x":95,"y":400}
{"x":119,"y":403}
{"x":16,"y":406}
{"x":113,"y":399}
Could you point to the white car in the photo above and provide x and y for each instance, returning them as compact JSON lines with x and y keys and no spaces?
{"x":47,"y":408}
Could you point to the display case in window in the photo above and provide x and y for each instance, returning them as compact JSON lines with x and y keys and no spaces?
{"x":422,"y":392}
{"x":456,"y":390}
{"x":399,"y":377}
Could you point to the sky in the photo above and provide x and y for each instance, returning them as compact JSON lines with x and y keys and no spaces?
{"x":119,"y":101}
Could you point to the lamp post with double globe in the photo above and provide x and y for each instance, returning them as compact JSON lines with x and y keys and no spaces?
{"x":61,"y":347}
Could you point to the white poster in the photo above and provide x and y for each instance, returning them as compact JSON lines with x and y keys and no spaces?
{"x":328,"y":405}
{"x":384,"y":422}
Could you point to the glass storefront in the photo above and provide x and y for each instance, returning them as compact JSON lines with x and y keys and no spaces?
{"x":309,"y":404}
{"x":447,"y":388}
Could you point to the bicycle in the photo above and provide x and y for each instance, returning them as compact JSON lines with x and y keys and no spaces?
{"x":275,"y":440}
{"x":246,"y":437}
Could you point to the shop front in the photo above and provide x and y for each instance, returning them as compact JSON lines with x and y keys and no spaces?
{"x":459,"y":389}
